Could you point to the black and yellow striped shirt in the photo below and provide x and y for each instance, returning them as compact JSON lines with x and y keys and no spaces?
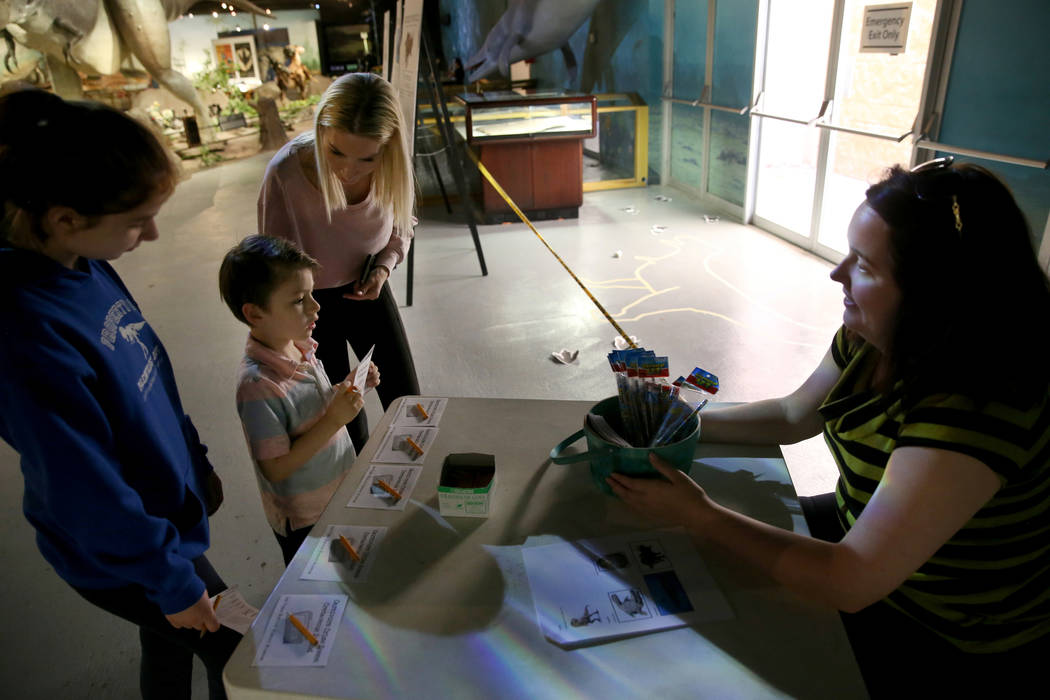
{"x":987,"y":589}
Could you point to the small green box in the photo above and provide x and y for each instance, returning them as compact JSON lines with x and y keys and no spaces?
{"x":466,"y":484}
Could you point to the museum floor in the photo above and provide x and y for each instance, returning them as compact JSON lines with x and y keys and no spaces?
{"x":745,"y":305}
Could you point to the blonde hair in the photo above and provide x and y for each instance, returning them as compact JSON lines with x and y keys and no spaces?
{"x":366,"y":105}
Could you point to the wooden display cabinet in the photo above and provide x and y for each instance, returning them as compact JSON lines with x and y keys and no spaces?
{"x":532,"y":143}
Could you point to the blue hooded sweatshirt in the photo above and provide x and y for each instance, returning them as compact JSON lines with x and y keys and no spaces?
{"x":114,"y":470}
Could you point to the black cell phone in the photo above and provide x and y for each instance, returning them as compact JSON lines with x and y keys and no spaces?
{"x":367,"y":269}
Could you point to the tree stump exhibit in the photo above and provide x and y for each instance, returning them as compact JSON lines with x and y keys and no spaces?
{"x":271,"y":131}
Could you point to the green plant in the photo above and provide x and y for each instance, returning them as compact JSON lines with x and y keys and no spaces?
{"x":216,"y":78}
{"x":290,"y":112}
{"x":209,"y":157}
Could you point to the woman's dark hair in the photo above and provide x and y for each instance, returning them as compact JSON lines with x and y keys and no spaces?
{"x":974,"y":316}
{"x":255,"y":267}
{"x":82,"y":155}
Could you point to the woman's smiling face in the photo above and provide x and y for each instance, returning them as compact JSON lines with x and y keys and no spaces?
{"x":872,"y":296}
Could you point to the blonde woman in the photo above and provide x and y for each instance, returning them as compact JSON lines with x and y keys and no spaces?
{"x":344,"y":194}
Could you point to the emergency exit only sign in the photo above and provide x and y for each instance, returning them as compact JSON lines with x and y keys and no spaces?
{"x":885,"y":28}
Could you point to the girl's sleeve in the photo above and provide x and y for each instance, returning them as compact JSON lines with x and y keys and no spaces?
{"x":76,"y":488}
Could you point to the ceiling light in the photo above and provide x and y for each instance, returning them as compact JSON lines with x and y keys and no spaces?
{"x":214,"y":14}
{"x":266,"y":27}
{"x":223,"y":6}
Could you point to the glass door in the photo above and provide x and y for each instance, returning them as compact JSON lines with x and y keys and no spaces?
{"x":830,"y":121}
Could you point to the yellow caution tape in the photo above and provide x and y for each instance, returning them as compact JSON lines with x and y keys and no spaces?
{"x":510,"y":202}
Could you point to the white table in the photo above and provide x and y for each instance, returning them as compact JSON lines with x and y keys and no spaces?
{"x":447,"y":611}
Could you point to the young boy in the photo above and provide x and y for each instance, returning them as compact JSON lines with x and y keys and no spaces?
{"x":294,"y":419}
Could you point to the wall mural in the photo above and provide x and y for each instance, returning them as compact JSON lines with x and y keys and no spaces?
{"x":102,"y":37}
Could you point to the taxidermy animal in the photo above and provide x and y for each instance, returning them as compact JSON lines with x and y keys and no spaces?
{"x":104,"y":37}
{"x":290,"y":76}
{"x":530,"y":28}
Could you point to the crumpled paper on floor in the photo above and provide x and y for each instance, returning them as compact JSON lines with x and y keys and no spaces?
{"x":565,"y":356}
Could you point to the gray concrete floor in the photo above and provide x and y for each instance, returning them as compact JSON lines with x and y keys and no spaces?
{"x":756,"y":311}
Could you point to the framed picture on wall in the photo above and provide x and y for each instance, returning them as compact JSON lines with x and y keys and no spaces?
{"x":240,"y":57}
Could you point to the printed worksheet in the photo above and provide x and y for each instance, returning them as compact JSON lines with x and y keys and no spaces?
{"x":405,"y":445}
{"x":233,"y":610}
{"x":332,"y":560}
{"x":301,"y":631}
{"x":416,"y":412}
{"x":595,"y":590}
{"x":385,"y":487}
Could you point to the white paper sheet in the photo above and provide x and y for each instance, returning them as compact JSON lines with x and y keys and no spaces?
{"x":408,"y":414}
{"x":395,"y":448}
{"x":283,"y":645}
{"x":331,"y":562}
{"x":233,"y":610}
{"x":361,"y":371}
{"x":370,"y":495}
{"x":605,"y":588}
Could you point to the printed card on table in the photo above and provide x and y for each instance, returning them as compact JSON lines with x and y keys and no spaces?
{"x":410,"y":415}
{"x":385,"y":487}
{"x":405,"y":445}
{"x":594,"y":590}
{"x":284,"y":644}
{"x":332,"y":561}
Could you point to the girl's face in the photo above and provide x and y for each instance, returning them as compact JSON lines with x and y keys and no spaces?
{"x":866,"y":276}
{"x":352,"y":158}
{"x":110,"y":236}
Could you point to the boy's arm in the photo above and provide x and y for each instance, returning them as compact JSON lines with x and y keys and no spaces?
{"x":343,"y":407}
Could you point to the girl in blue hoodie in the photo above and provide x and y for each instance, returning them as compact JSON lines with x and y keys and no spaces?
{"x":117,"y":484}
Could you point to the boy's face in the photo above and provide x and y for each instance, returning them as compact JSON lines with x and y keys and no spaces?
{"x":291,"y":312}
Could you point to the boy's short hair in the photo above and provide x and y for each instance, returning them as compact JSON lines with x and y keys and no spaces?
{"x":255,"y":267}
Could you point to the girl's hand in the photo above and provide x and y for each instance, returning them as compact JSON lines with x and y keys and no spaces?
{"x":675,"y":499}
{"x":346,"y":403}
{"x":371,"y":288}
{"x":372,"y":380}
{"x":199,"y":616}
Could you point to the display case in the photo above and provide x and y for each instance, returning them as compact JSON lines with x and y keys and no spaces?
{"x":510,"y":116}
{"x":532,"y":144}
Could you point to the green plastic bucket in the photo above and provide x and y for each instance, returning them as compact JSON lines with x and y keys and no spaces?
{"x":606,"y":458}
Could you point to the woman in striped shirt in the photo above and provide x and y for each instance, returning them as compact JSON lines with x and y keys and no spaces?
{"x":935,"y":402}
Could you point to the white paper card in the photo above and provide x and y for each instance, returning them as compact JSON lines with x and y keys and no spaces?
{"x":369,"y":494}
{"x":283,"y":644}
{"x":330,"y":561}
{"x":609,"y":587}
{"x":361,"y":372}
{"x":397,"y":448}
{"x":233,"y":610}
{"x":408,"y":413}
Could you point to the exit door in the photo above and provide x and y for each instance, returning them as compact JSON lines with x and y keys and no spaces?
{"x":831,"y":117}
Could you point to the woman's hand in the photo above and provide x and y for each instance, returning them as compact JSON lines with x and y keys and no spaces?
{"x":371,"y":288}
{"x":677,"y":500}
{"x":199,"y":616}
